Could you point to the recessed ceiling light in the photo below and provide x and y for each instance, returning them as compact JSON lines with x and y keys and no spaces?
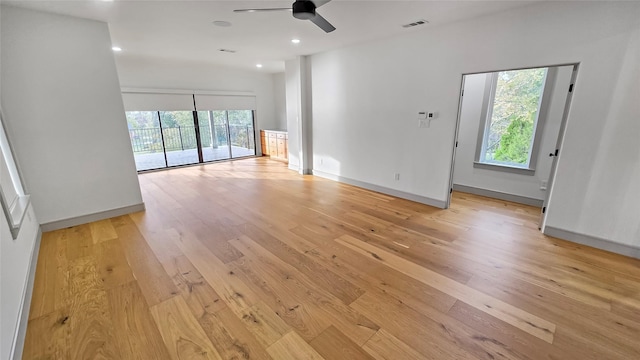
{"x":221,"y":23}
{"x":258,"y":65}
{"x":116,"y":48}
{"x":295,"y":41}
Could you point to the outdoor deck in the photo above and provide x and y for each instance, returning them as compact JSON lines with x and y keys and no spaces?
{"x":150,"y":161}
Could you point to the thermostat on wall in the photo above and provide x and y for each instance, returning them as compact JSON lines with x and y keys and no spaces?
{"x":426,"y":115}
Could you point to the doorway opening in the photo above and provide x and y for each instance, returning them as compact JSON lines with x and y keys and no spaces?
{"x":509,"y":133}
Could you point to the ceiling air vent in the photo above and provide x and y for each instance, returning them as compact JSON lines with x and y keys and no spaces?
{"x":415,"y":23}
{"x":227,"y":50}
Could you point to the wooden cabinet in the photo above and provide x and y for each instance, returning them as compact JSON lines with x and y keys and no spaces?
{"x":275,"y":144}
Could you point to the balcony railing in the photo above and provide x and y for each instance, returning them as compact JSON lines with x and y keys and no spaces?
{"x":148,"y":140}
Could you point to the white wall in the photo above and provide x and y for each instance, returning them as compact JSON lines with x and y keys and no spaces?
{"x":597,"y":189}
{"x":155,"y":73}
{"x":279,"y":100}
{"x":509,"y":183}
{"x":15,"y":261}
{"x":64,"y":115}
{"x":365,"y":100}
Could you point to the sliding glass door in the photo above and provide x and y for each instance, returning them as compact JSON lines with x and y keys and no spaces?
{"x":163,"y":139}
{"x":241,"y":133}
{"x":174,"y":129}
{"x":226,"y":134}
{"x":179,"y":133}
{"x":214,"y":135}
{"x":146,"y":139}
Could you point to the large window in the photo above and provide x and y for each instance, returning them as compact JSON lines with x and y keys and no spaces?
{"x":510,"y":125}
{"x":169,"y":138}
{"x":173,"y":129}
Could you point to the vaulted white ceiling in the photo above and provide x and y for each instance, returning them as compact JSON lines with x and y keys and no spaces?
{"x":184,"y":30}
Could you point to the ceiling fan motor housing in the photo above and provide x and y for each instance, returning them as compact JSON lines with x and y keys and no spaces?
{"x":304,"y":10}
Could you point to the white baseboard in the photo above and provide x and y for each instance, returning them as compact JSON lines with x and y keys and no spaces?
{"x":84,"y":219}
{"x":499,"y":195}
{"x":381,"y":189}
{"x":593,"y":241}
{"x":25,"y":304}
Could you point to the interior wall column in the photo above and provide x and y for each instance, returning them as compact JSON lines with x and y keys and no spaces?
{"x":305,"y":116}
{"x":299,"y":121}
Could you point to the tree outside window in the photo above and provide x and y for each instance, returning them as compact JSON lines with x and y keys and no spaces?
{"x":512,"y":117}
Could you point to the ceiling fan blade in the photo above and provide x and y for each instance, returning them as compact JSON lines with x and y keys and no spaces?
{"x":322,"y":23}
{"x":319,"y":3}
{"x":261,"y":10}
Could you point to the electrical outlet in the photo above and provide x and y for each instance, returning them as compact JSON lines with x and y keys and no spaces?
{"x":423,"y":123}
{"x":397,"y":176}
{"x":543,"y":185}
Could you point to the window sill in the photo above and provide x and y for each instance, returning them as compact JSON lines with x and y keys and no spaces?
{"x":16,"y":214}
{"x":504,"y":168}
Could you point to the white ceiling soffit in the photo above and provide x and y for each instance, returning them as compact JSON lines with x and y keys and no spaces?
{"x":183,"y":30}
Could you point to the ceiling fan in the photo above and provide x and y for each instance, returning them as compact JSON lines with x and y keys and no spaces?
{"x":303,"y":10}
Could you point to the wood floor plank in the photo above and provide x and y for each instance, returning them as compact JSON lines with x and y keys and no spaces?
{"x":195,"y":290}
{"x":84,"y":281}
{"x":292,"y":346}
{"x":161,"y":241}
{"x":77,"y":241}
{"x":530,"y":323}
{"x":619,"y":331}
{"x":580,"y":345}
{"x":285,"y":299}
{"x":48,"y":284}
{"x":135,"y":331}
{"x":498,"y":333}
{"x":233,"y":291}
{"x":102,"y":231}
{"x":324,"y":278}
{"x":333,"y":344}
{"x":373,"y":275}
{"x":215,"y":236}
{"x":249,"y":260}
{"x":91,"y":331}
{"x":154,"y":282}
{"x":322,"y":306}
{"x":48,"y":336}
{"x":447,"y":334}
{"x":384,"y":346}
{"x":230,"y":336}
{"x":263,"y":323}
{"x":113,"y":268}
{"x":181,"y":332}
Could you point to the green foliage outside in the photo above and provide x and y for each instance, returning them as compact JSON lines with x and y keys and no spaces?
{"x":515,"y":110}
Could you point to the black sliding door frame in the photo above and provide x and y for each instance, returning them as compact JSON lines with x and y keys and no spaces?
{"x":164,"y":148}
{"x":199,"y":149}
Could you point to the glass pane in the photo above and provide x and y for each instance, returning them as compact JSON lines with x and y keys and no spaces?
{"x":179,"y":137}
{"x":514,"y":116}
{"x":213,"y":135}
{"x":241,"y":133}
{"x":144,"y":131}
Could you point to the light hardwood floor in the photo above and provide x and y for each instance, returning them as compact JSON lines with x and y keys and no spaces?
{"x":248,"y":260}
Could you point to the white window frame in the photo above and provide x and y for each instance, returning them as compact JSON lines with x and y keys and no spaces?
{"x":485,"y":123}
{"x":13,"y":200}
